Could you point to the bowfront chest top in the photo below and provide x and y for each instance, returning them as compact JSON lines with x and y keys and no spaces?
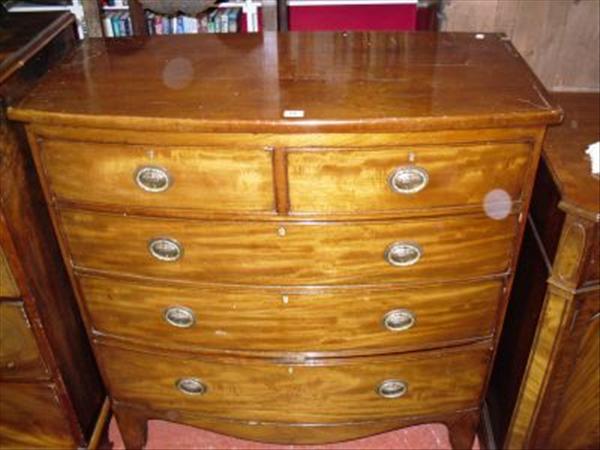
{"x":295,"y":238}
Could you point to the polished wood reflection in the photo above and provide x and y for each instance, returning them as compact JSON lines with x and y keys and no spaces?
{"x":346,"y":180}
{"x":291,"y":254}
{"x":412,"y":81}
{"x":314,"y":391}
{"x":277,"y":321}
{"x":229,"y":178}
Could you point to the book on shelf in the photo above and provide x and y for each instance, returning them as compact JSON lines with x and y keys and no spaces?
{"x":115,"y":3}
{"x":117,"y":24}
{"x":213,"y":20}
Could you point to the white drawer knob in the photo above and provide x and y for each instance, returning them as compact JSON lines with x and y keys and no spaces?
{"x":152,"y":179}
{"x":403,"y":254}
{"x":408,"y":180}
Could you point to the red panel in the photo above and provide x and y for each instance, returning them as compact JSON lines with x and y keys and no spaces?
{"x":353,"y":17}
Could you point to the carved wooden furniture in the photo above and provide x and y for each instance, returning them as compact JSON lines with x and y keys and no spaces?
{"x":50,"y":390}
{"x":309,"y":246}
{"x":545,"y":390}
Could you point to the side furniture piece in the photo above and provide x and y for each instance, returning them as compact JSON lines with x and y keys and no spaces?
{"x":50,"y":390}
{"x":545,"y":388}
{"x":313,"y":246}
{"x":75,"y":7}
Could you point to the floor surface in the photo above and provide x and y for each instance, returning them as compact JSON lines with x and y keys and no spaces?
{"x":165,"y":435}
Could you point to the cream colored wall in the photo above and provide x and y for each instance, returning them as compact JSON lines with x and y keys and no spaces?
{"x":560,"y":39}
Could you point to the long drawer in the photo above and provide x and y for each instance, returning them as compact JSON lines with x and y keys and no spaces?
{"x":400,"y":178}
{"x":279,"y":320}
{"x":205,"y":178}
{"x":325,"y":391}
{"x":19,"y":353}
{"x":291,"y":253}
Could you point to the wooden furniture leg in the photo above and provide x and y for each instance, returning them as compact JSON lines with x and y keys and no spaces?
{"x":133,"y":427}
{"x":462,"y":430}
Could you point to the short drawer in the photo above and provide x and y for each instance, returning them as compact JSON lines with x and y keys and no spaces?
{"x":279,"y":321}
{"x":291,"y":253}
{"x":32,"y":417}
{"x":203,"y":178}
{"x":19,"y":353}
{"x":320,"y":391}
{"x":384,"y":179}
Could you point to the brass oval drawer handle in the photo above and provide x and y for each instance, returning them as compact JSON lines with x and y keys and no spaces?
{"x":399,"y":320}
{"x":179,"y":316}
{"x":408,"y":180}
{"x":392,"y":389}
{"x":191,"y":386}
{"x":165,"y":249}
{"x":403,"y":254}
{"x":152,"y":179}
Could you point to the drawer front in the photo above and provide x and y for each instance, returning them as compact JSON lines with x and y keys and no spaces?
{"x":8,"y":286}
{"x":291,"y":254}
{"x":302,"y":321}
{"x":32,"y":417}
{"x":384,"y":179}
{"x":19,"y":353}
{"x":219,"y":179}
{"x":324,"y":391}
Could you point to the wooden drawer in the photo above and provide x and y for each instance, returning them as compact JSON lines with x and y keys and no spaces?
{"x":319,"y":392}
{"x":32,"y":417}
{"x":8,"y":286}
{"x":292,"y":253}
{"x":277,"y":320}
{"x":205,"y":178}
{"x":359,"y":180}
{"x":19,"y":353}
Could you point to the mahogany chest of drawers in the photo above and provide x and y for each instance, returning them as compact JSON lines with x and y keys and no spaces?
{"x":294,"y":238}
{"x":50,"y":389}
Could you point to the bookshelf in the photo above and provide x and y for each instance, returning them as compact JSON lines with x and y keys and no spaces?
{"x":138,"y":22}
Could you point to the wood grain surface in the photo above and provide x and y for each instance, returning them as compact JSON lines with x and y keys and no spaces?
{"x":545,"y":379}
{"x":409,"y":83}
{"x":564,"y":153}
{"x":60,"y":412}
{"x":577,"y":420}
{"x":552,"y":321}
{"x":207,"y":178}
{"x":274,"y":321}
{"x":553,"y":353}
{"x":283,"y":250}
{"x":351,"y":180}
{"x":31,"y":416}
{"x":324,"y":391}
{"x":19,"y":353}
{"x":290,"y":254}
{"x":8,"y":286}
